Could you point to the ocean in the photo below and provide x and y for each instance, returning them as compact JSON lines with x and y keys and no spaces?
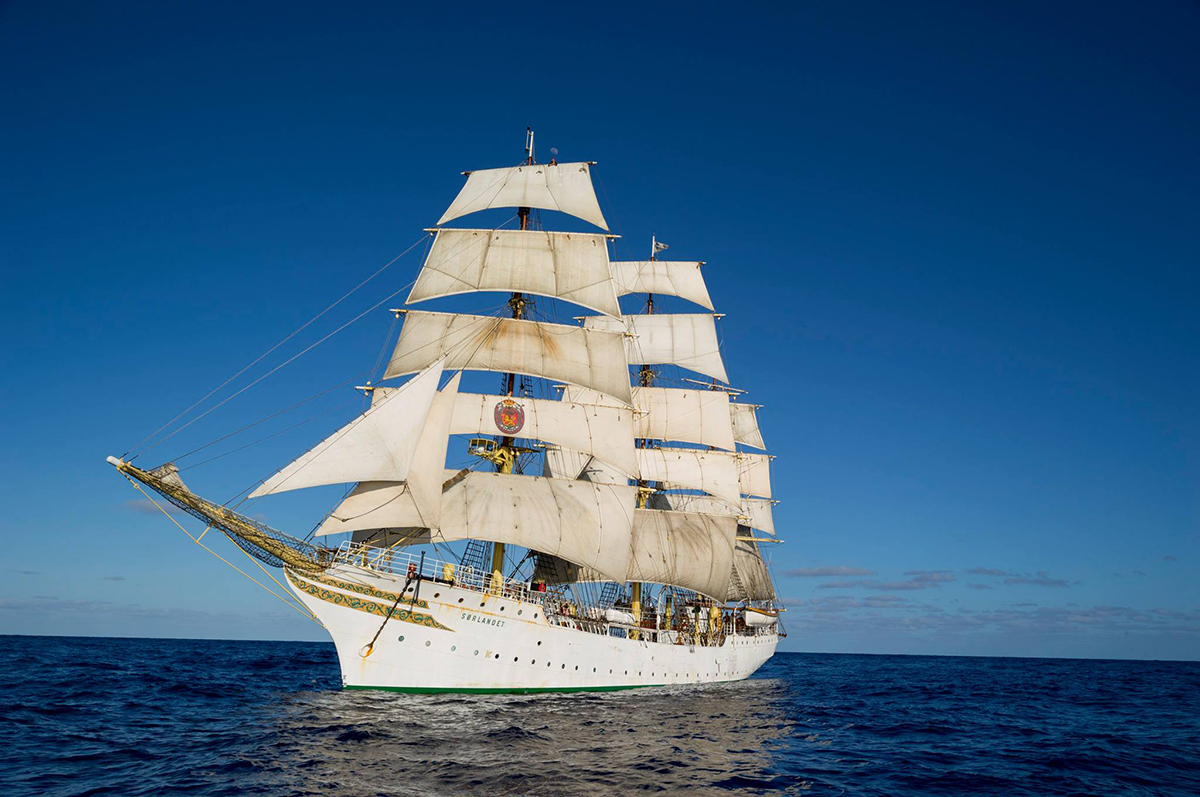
{"x":91,"y":716}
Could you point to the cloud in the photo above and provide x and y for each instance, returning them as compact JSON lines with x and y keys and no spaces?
{"x":921,"y":579}
{"x":1038,"y":579}
{"x":989,"y":571}
{"x":24,"y":572}
{"x":114,"y":578}
{"x":858,"y":617}
{"x":980,"y":586}
{"x":1170,"y":558}
{"x":837,"y":570}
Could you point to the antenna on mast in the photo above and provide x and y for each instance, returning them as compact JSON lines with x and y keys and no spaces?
{"x":529,"y":145}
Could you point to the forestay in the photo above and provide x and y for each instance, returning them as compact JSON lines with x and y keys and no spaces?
{"x":667,"y":413}
{"x":688,"y":340}
{"x":685,"y":549}
{"x":565,"y":265}
{"x":376,"y":446}
{"x":680,"y":278}
{"x":565,"y":187}
{"x":714,"y":472}
{"x":584,"y":523}
{"x":750,"y":581}
{"x":745,"y":425}
{"x":588,"y":357}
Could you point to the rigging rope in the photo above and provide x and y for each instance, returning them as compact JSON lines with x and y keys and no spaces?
{"x":258,"y":359}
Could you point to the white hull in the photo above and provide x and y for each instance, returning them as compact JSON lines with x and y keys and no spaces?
{"x":457,"y":639}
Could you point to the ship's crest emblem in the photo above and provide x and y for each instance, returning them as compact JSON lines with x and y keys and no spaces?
{"x":509,"y":416}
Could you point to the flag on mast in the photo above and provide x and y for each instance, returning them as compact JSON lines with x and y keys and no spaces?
{"x":657,"y":246}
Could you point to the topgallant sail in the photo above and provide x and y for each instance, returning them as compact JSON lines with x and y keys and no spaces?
{"x":610,"y":533}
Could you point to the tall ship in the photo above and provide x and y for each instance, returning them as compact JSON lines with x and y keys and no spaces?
{"x":608,"y":529}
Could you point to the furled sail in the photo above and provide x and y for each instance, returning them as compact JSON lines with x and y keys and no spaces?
{"x":567,"y":463}
{"x":376,"y":446}
{"x":680,"y":278}
{"x":565,"y":265}
{"x":668,"y":413}
{"x":714,"y":472}
{"x":565,"y":187}
{"x":605,"y":432}
{"x":685,"y":549}
{"x":745,"y":425}
{"x":688,"y":340}
{"x":587,"y":524}
{"x":588,"y":357}
{"x":750,"y":580}
{"x":754,"y":473}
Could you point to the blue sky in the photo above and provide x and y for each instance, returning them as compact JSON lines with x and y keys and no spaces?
{"x":957,"y":248}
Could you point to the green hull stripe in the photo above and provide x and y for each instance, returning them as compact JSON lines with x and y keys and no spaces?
{"x":489,"y":690}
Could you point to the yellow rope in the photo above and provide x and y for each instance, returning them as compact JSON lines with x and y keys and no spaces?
{"x":268,"y":590}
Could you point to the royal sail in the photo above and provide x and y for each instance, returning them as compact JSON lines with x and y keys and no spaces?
{"x":565,"y":187}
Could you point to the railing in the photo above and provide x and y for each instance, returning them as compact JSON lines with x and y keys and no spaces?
{"x":557,"y":609}
{"x":404,"y":563}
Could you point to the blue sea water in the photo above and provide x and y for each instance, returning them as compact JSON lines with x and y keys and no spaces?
{"x":84,"y":716}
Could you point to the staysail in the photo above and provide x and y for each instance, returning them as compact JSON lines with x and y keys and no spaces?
{"x":376,"y":446}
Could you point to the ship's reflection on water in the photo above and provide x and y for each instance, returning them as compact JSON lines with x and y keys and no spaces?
{"x":687,"y":740}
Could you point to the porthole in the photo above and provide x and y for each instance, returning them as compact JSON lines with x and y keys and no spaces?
{"x":539,"y":641}
{"x":401,"y":638}
{"x":514,"y":658}
{"x":497,"y":655}
{"x":477,"y":653}
{"x":437,"y":594}
{"x":593,"y":669}
{"x":547,"y":664}
{"x":453,"y":648}
{"x":501,"y":608}
{"x":565,"y":667}
{"x":427,"y":643}
{"x":482,"y":604}
{"x":520,"y":611}
{"x":460,"y":600}
{"x":627,"y":672}
{"x":535,"y":615}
